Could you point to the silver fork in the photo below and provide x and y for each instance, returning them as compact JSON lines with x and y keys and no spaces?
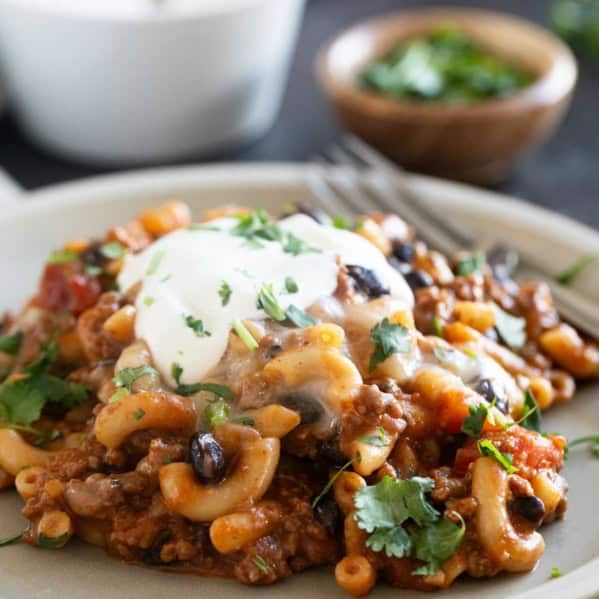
{"x":342,"y":180}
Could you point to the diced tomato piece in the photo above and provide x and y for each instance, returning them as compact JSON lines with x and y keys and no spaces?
{"x":451,"y":409}
{"x":530,"y":450}
{"x":64,"y":287}
{"x":85,"y":292}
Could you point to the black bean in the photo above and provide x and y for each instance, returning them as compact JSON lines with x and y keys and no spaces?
{"x":272,"y":351}
{"x":365,"y":280}
{"x":328,"y":514}
{"x":529,"y":507}
{"x":313,"y":213}
{"x":404,"y":252}
{"x":309,"y":409}
{"x":92,"y":256}
{"x":486,"y":388}
{"x":418,"y":279}
{"x":207,"y":458}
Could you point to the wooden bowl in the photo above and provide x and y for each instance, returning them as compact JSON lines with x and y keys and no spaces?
{"x":476,"y":142}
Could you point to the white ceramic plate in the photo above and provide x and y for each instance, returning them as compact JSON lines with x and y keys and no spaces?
{"x":47,"y":218}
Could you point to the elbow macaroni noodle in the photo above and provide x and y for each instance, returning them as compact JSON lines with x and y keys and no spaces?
{"x":245,"y":485}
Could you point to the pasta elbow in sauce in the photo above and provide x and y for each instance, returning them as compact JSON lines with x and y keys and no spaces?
{"x":260,"y":395}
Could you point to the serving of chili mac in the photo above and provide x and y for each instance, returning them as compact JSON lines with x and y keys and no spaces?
{"x":248,"y":397}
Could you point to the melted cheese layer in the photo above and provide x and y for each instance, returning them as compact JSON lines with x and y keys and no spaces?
{"x":184,"y":274}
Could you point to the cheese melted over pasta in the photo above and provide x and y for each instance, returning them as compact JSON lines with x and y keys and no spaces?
{"x":182,"y":274}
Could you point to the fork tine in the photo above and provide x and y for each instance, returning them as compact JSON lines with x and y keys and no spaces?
{"x":384,"y":197}
{"x":369,"y":155}
{"x":342,"y":181}
{"x":317,"y":184}
{"x":341,"y":156}
{"x":353,"y":181}
{"x":399,"y":177}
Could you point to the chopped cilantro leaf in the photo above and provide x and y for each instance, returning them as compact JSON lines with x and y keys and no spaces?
{"x":11,"y":540}
{"x":555,"y":573}
{"x":269,"y":303}
{"x":47,"y":357}
{"x":471,"y":263}
{"x":118,"y":395}
{"x":10,"y":344}
{"x":52,"y":542}
{"x":196,"y":325}
{"x":224,"y":293}
{"x":473,"y":423}
{"x":261,"y":564}
{"x":531,"y":418}
{"x":176,"y":372}
{"x":112,"y":250}
{"x":127,"y":376}
{"x":594,"y":439}
{"x":155,"y":263}
{"x":296,"y":246}
{"x":568,"y":276}
{"x":244,"y":334}
{"x":92,"y":271}
{"x":62,"y":256}
{"x":216,"y":412}
{"x":246,"y":421}
{"x":511,"y":329}
{"x":382,"y":509}
{"x":139,"y":414}
{"x":391,"y":502}
{"x":342,"y":222}
{"x":218,"y":390}
{"x":290,"y":285}
{"x":395,"y":541}
{"x":23,"y":399}
{"x":257,"y":225}
{"x":330,"y":483}
{"x":486,"y":448}
{"x":300,"y":318}
{"x":43,"y":438}
{"x":378,"y":440}
{"x":388,"y":339}
{"x":436,"y":543}
{"x":438,"y":326}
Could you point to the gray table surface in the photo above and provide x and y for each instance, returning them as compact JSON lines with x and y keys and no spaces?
{"x":562,"y":175}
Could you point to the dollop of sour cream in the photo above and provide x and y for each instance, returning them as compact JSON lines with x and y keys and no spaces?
{"x":208,"y":273}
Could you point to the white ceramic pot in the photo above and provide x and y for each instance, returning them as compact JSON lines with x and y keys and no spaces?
{"x":113,"y":81}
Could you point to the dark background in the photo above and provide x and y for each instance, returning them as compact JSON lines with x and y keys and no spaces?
{"x":562,"y":175}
